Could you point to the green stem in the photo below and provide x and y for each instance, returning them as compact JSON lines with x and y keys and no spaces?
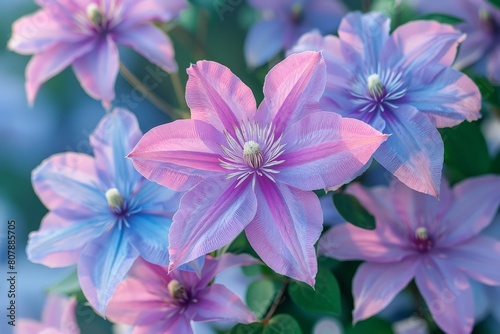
{"x":172,"y":112}
{"x":276,"y":301}
{"x":179,"y":92}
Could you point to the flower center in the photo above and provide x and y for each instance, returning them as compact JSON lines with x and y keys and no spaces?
{"x":253,"y":151}
{"x":378,"y":90}
{"x":488,"y":20}
{"x":375,"y":87}
{"x":422,"y":240}
{"x":95,"y":15}
{"x":252,"y":154}
{"x":114,"y":198}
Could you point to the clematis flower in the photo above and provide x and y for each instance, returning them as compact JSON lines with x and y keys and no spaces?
{"x":155,"y":301}
{"x":401,"y":84}
{"x":58,"y":318}
{"x":481,"y":23}
{"x":86,"y":34}
{"x":436,"y":242}
{"x":283,"y":22}
{"x":103,"y":214}
{"x":255,"y":170}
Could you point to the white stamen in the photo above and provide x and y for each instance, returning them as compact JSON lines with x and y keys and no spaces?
{"x":252,"y":154}
{"x":421,"y":233}
{"x":375,"y":86}
{"x":95,"y":14}
{"x":115,"y":199}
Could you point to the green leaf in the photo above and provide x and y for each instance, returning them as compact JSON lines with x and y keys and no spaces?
{"x":324,"y":298}
{"x":253,"y":328}
{"x":441,"y":18}
{"x":69,"y":286}
{"x":371,"y":325}
{"x":260,"y":295}
{"x":495,"y":3}
{"x":352,"y":211}
{"x":465,"y":151}
{"x":495,"y":165}
{"x":282,"y":324}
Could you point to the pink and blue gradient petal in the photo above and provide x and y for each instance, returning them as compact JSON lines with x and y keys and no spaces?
{"x":447,"y":97}
{"x":212,"y":305}
{"x":287,"y":225}
{"x":348,"y":242}
{"x":97,"y":70}
{"x":322,"y":146}
{"x":367,"y":34}
{"x":448,"y":296}
{"x":224,"y":102}
{"x":50,"y":62}
{"x":179,"y":155}
{"x":214,"y":205}
{"x":414,"y":151}
{"x":102,"y":266}
{"x":476,"y":203}
{"x":157,"y":48}
{"x":419,"y":43}
{"x":371,"y":288}
{"x":292,"y":90}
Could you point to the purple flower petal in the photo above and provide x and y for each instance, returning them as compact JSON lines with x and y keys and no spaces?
{"x":479,"y":258}
{"x":414,"y":151}
{"x":150,"y":10}
{"x":102,"y":266}
{"x":493,"y":65}
{"x":219,"y":303}
{"x":222,"y":102}
{"x":28,"y":38}
{"x":97,"y":70}
{"x":287,"y":225}
{"x":115,"y":135}
{"x":348,"y":242}
{"x":68,"y":180}
{"x":157,"y":48}
{"x":292,"y":90}
{"x":476,"y":203}
{"x":448,"y":295}
{"x":272,"y":5}
{"x":418,"y":43}
{"x":367,"y":34}
{"x":178,"y":155}
{"x":133,"y":305}
{"x":63,"y":236}
{"x":50,"y":62}
{"x":210,"y":216}
{"x":446,"y":96}
{"x":59,"y":312}
{"x":264,"y":40}
{"x":148,"y":234}
{"x":371,"y":290}
{"x":324,"y":150}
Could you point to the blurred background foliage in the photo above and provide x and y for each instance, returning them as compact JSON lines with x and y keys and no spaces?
{"x":63,"y":117}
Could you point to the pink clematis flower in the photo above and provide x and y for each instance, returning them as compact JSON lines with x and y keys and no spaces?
{"x":400,"y":84}
{"x":255,"y":170}
{"x":58,"y":318}
{"x":436,"y":242}
{"x":86,"y":34}
{"x":155,"y":301}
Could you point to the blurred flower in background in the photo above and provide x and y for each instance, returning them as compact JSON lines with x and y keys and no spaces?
{"x":282,"y":22}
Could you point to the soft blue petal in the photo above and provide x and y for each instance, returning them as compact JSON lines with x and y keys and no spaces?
{"x":102,"y":266}
{"x":195,"y":266}
{"x":115,"y":136}
{"x":148,"y":234}
{"x":61,"y":239}
{"x":264,"y":40}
